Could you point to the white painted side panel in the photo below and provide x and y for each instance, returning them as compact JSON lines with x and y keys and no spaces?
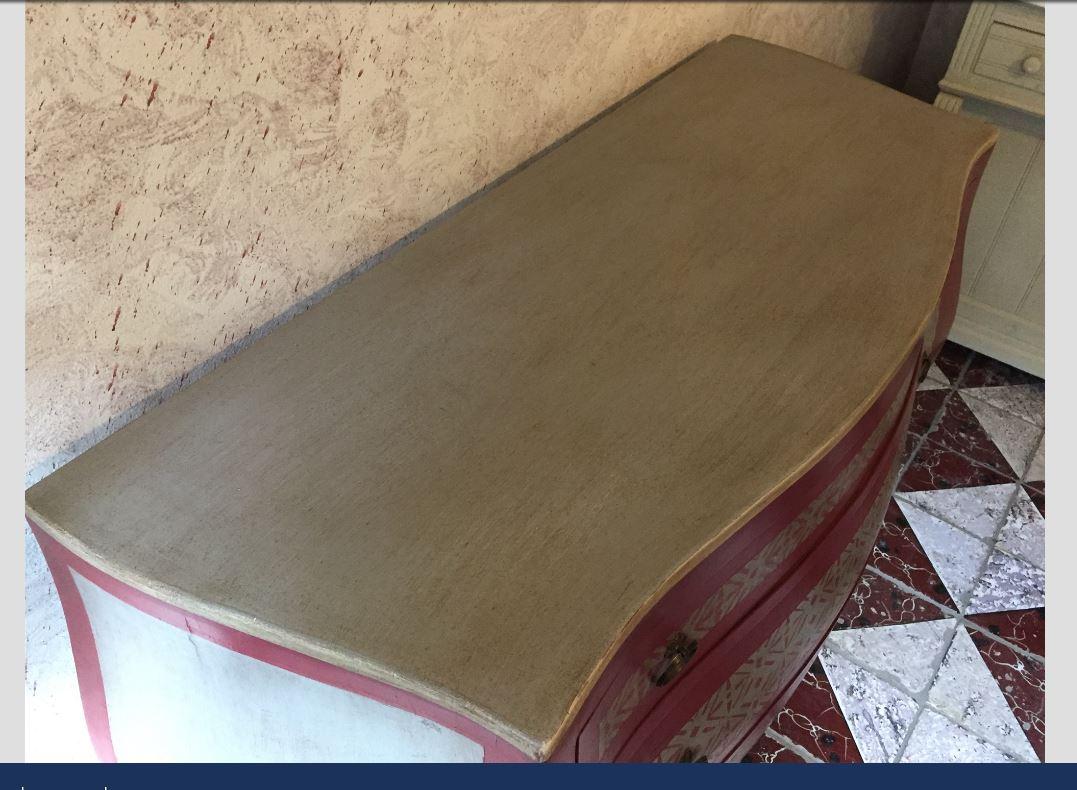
{"x":176,"y":697}
{"x":1001,"y":312}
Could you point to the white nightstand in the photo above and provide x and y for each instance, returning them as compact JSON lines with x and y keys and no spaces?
{"x":997,"y":74}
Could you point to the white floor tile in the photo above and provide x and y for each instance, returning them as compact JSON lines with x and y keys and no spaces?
{"x":1024,"y":531}
{"x":966,"y":692}
{"x":935,"y":380}
{"x":977,"y":509}
{"x":905,"y":655}
{"x":1036,"y":469}
{"x":878,"y":714}
{"x":1015,"y":438}
{"x":936,"y":739}
{"x":956,"y":555}
{"x":1024,"y":400}
{"x":1007,"y":584}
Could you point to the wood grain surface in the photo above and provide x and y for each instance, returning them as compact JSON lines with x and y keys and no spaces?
{"x":470,"y":472}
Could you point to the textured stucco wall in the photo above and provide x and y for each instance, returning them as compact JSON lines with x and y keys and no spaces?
{"x":196,"y":171}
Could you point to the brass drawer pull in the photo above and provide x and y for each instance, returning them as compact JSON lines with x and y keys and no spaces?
{"x":679,"y":652}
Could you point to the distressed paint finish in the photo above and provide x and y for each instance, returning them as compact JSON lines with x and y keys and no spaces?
{"x":769,"y":557}
{"x":364,"y":482}
{"x":196,"y":173}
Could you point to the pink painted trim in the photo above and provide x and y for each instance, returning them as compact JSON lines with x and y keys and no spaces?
{"x":752,"y":736}
{"x":62,"y":560}
{"x":672,"y":610}
{"x":84,"y":650}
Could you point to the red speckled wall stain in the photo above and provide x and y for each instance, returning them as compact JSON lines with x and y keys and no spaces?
{"x":195,"y":173}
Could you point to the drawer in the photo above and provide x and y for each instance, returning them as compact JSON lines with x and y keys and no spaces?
{"x":1012,"y":55}
{"x":718,"y":709}
{"x":709,"y":623}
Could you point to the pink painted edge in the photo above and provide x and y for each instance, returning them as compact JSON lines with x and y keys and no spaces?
{"x":62,"y":560}
{"x":84,"y":651}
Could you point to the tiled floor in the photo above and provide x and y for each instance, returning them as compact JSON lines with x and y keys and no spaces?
{"x":938,"y":654}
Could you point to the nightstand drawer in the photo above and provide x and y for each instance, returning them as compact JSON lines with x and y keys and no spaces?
{"x":1012,"y":55}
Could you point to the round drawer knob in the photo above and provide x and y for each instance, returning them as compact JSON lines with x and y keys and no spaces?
{"x":679,"y":651}
{"x":1032,"y":65}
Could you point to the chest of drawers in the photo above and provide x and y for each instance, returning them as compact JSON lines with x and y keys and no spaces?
{"x":583,"y":473}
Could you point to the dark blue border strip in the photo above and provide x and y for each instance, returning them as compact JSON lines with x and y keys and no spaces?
{"x":521,"y":777}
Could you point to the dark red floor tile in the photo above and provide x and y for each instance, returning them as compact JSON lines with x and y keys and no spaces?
{"x":898,"y":554}
{"x":813,"y":720}
{"x":1025,"y":628}
{"x":959,"y":430}
{"x":907,"y":450}
{"x":1037,"y":492}
{"x":911,"y":440}
{"x":768,"y":750}
{"x":926,"y":405}
{"x":951,"y":359}
{"x":987,"y":372}
{"x":876,"y":601}
{"x":938,"y":468}
{"x":1022,"y":682}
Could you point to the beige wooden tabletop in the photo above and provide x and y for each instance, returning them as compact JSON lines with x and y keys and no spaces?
{"x":470,"y":471}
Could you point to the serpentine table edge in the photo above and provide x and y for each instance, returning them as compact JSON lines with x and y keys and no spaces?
{"x":66,"y":551}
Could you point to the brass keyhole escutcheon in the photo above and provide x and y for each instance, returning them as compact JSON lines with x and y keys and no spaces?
{"x":679,"y":651}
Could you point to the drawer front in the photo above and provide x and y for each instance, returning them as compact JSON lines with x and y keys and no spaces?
{"x":700,"y":612}
{"x":1012,"y":55}
{"x":726,"y":722}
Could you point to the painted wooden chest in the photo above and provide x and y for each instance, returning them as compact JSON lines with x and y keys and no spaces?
{"x":583,"y":473}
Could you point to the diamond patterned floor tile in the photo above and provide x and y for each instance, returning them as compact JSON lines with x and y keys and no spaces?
{"x":956,"y":555}
{"x":1025,"y":401}
{"x":1015,"y":439}
{"x":934,"y":380}
{"x":908,"y":449}
{"x":768,"y":750}
{"x":1022,"y":627}
{"x":965,"y":531}
{"x":876,"y":601}
{"x":959,"y":428}
{"x":1036,"y":469}
{"x":978,"y":509}
{"x":936,"y":739}
{"x":879,"y":714}
{"x":1023,"y":685}
{"x":904,"y":656}
{"x":967,"y":693}
{"x":951,"y":360}
{"x":813,"y":720}
{"x":936,"y":468}
{"x":1037,"y":493}
{"x":925,"y":406}
{"x":898,"y":554}
{"x":1007,"y":584}
{"x":1024,"y":531}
